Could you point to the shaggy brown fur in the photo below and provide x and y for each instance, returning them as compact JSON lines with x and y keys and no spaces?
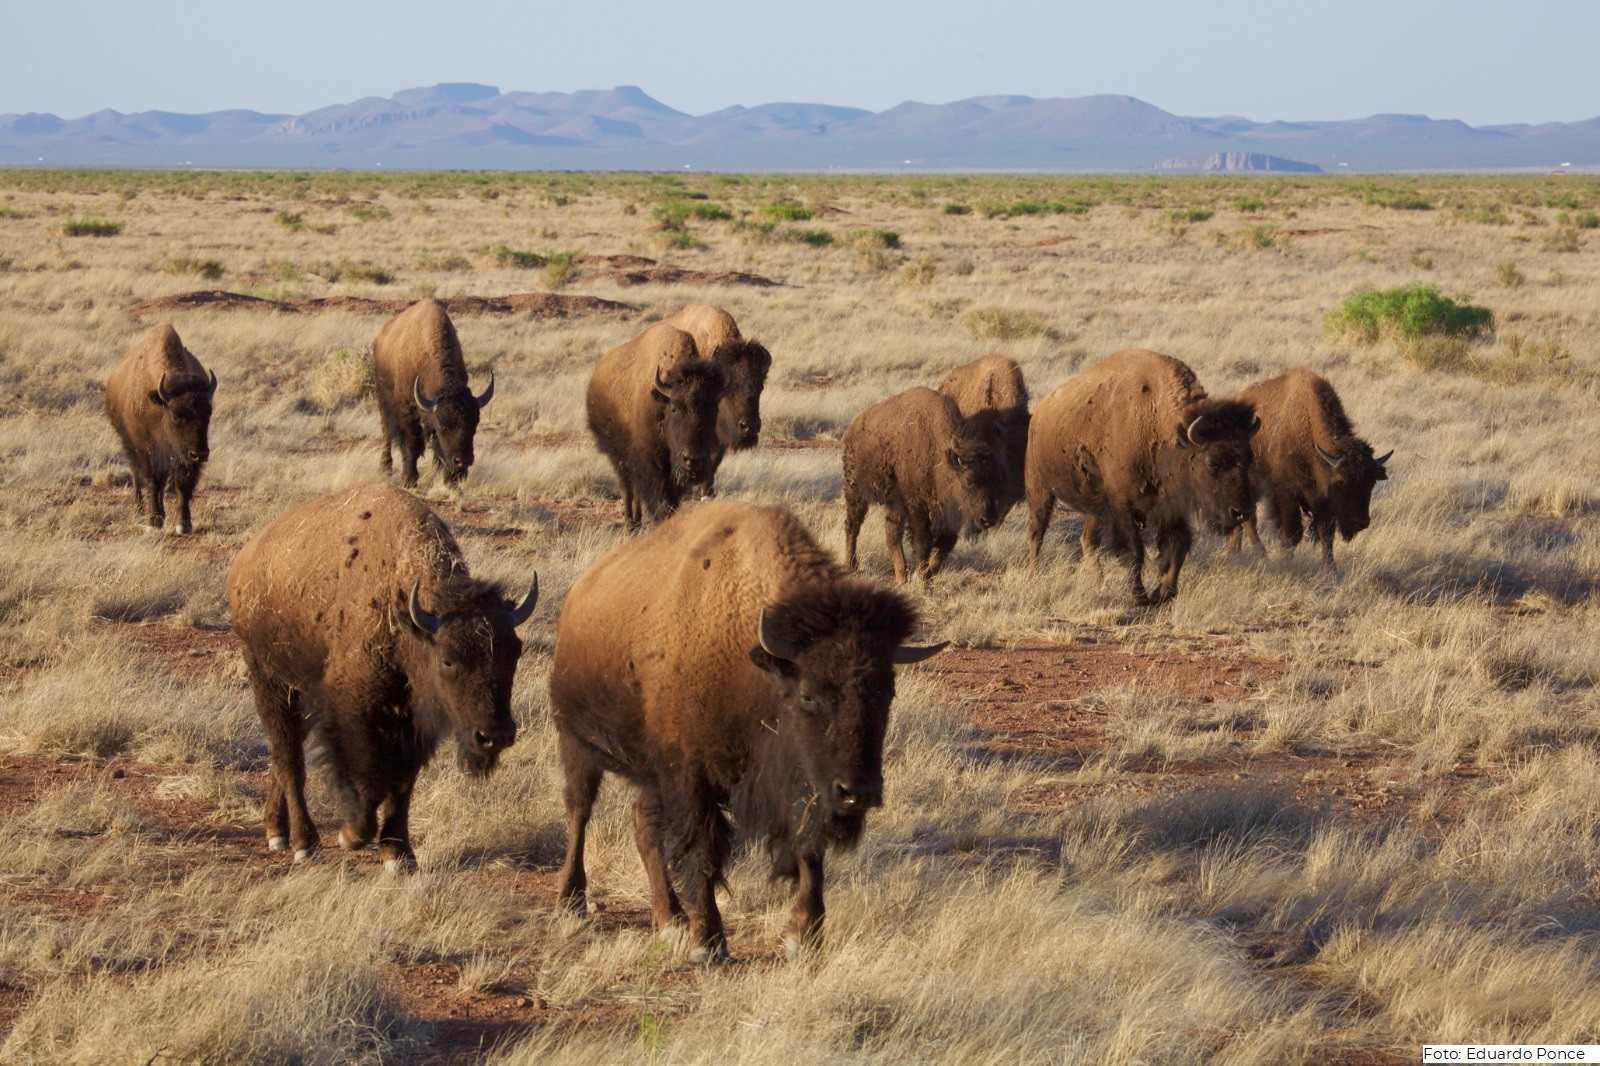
{"x":652,"y":406}
{"x":990,"y":392}
{"x":1308,"y":461}
{"x":670,"y":683}
{"x":417,"y":354}
{"x":159,"y":401}
{"x":928,"y":467}
{"x":1134,"y":442}
{"x":744,"y":362}
{"x":321,"y":603}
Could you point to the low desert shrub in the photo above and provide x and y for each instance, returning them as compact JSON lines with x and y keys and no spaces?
{"x":341,"y":380}
{"x":1409,"y":312}
{"x":90,"y":227}
{"x":787,"y":211}
{"x":210,"y":269}
{"x":1000,"y":324}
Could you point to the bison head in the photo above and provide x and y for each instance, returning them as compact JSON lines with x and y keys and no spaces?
{"x":451,"y":419}
{"x":832,"y":656}
{"x":185,"y":425}
{"x":744,"y":364}
{"x":972,"y":478}
{"x":1213,"y":461}
{"x":688,"y":395}
{"x":1347,"y":477}
{"x":464,"y":659}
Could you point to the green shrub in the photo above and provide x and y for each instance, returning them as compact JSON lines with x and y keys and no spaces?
{"x":1410,"y":312}
{"x":999,"y":324}
{"x":817,"y":238}
{"x":1259,"y":236}
{"x":1019,"y":208}
{"x":558,"y":269}
{"x":1249,"y":204}
{"x":366,"y":212}
{"x":503,"y":255}
{"x":1587,"y":220}
{"x":210,"y":269}
{"x":872,"y":238}
{"x":920,"y":272}
{"x":1192,"y":214}
{"x":90,"y":227}
{"x":957,"y":209}
{"x":292,"y":221}
{"x":787,"y":211}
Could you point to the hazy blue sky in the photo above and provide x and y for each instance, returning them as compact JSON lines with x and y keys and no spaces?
{"x":1478,"y":61}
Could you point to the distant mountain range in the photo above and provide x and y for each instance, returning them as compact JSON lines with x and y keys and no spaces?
{"x":478,"y":127}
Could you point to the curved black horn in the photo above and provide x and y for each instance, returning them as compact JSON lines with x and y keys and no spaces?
{"x":211,"y":385}
{"x":161,"y":389}
{"x":524,"y":610}
{"x":416,"y":394}
{"x":906,"y":654}
{"x":1328,"y":457}
{"x":773,"y":644}
{"x":1380,"y":460}
{"x":422,"y":619}
{"x":483,"y":400}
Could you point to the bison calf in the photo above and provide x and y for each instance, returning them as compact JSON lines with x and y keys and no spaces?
{"x":159,"y":401}
{"x":652,"y":407}
{"x":1308,"y":462}
{"x":362,"y":631}
{"x":929,"y":468}
{"x":420,"y":379}
{"x":723,"y":664}
{"x":1133,"y":442}
{"x":989,"y":392}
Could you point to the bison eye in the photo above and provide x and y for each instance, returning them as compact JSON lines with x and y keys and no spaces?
{"x":447,"y":666}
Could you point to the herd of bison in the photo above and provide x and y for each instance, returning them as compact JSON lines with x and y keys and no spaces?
{"x":722,"y":662}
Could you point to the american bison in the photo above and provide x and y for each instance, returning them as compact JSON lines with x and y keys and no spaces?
{"x":363,"y":631}
{"x":723,"y":663}
{"x":990,"y":392}
{"x":929,"y":468}
{"x":1308,"y":461}
{"x":652,"y":406}
{"x":421,"y":383}
{"x":159,"y":401}
{"x":745,"y":363}
{"x":1134,"y":442}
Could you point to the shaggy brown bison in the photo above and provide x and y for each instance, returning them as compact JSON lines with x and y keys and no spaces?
{"x":929,"y":468}
{"x":1308,"y":461}
{"x":159,"y":401}
{"x":745,"y":364}
{"x":722,"y":663}
{"x":421,"y":383}
{"x":990,"y":392}
{"x":1134,"y":442}
{"x":362,"y":629}
{"x":652,"y":406}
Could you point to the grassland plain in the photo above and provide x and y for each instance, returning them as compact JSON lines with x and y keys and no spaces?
{"x":1293,"y":815}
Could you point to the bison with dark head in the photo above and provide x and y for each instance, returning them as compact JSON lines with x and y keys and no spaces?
{"x":420,"y":379}
{"x":929,"y":469}
{"x":159,"y":401}
{"x":363,"y":632}
{"x":1134,"y":442}
{"x":652,"y":407}
{"x":1309,"y":463}
{"x":723,"y":664}
{"x":744,"y":363}
{"x":990,"y":393}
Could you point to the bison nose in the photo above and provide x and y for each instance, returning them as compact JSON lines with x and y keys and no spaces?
{"x":749,"y":429}
{"x":496,"y":739}
{"x":860,"y":796}
{"x":199,"y":455}
{"x":1237,"y":515}
{"x":690,"y":462}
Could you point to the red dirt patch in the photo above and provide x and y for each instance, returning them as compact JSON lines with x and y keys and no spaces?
{"x":537,"y":304}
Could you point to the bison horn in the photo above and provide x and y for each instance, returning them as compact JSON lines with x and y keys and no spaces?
{"x":211,"y":384}
{"x":416,"y":394}
{"x":1328,"y":457}
{"x":422,"y":619}
{"x":771,"y":643}
{"x":524,"y":610}
{"x":161,"y":390}
{"x":906,"y":654}
{"x":1380,"y":460}
{"x":483,"y":400}
{"x":1188,"y":436}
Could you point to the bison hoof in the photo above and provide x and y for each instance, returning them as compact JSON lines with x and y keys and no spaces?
{"x":792,"y":946}
{"x":709,"y":955}
{"x":183,"y":528}
{"x":277,"y":843}
{"x":405,"y":864}
{"x":305,"y":854}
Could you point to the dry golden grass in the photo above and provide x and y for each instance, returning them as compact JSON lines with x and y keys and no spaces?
{"x":1171,"y":909}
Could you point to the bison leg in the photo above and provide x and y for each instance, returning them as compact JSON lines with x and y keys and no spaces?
{"x":805,"y":917}
{"x":186,"y":483}
{"x":1174,"y":542}
{"x":1322,"y":533}
{"x":394,"y":837}
{"x":1247,"y":528}
{"x":1129,"y":544}
{"x":391,"y":436}
{"x":287,"y":821}
{"x":894,"y":527}
{"x":155,"y":514}
{"x":1290,"y":525}
{"x":1040,"y":505}
{"x":943,"y":544}
{"x":705,"y":836}
{"x":582,"y":785}
{"x":412,"y":441}
{"x":855,"y":512}
{"x":665,"y":908}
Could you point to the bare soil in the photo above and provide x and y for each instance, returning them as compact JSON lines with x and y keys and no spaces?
{"x":536,"y":304}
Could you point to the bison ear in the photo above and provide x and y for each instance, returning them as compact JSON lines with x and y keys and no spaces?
{"x":783,"y":668}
